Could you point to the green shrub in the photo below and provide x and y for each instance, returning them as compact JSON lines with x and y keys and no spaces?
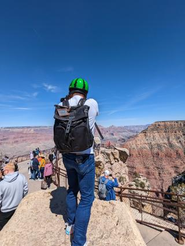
{"x":122,"y":179}
{"x":136,"y":175}
{"x":142,"y":185}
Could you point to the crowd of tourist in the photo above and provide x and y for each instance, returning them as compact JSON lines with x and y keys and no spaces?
{"x":41,"y":166}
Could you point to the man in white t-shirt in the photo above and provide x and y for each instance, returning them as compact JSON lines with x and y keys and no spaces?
{"x":80,"y":168}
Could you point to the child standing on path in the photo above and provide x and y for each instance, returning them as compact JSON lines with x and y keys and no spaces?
{"x":48,"y":171}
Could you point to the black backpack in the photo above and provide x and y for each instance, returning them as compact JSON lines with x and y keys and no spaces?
{"x":71,"y":128}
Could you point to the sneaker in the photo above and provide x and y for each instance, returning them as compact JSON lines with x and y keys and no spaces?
{"x":69,"y":229}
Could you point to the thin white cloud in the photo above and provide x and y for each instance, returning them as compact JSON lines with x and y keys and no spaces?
{"x":45,"y":86}
{"x":30,"y":95}
{"x":22,"y":108}
{"x":2,"y":105}
{"x":5,"y":97}
{"x":49,"y":87}
{"x":36,"y":32}
{"x":35,"y":94}
{"x":66,"y":69}
{"x":36,"y":86}
{"x":17,"y":96}
{"x":135,"y":100}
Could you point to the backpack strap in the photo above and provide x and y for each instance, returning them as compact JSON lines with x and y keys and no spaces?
{"x":65,"y":101}
{"x":69,"y":125}
{"x":98,"y":129}
{"x":81,"y":102}
{"x":105,"y":182}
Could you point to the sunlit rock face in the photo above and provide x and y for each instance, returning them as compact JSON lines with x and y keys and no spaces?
{"x":158,"y":153}
{"x":40,"y":220}
{"x":113,"y":159}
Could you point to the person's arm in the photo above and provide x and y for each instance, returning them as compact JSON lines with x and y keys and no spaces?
{"x":114,"y":183}
{"x":1,"y":175}
{"x":25,"y":187}
{"x":38,"y":164}
{"x":1,"y":197}
{"x":93,"y":112}
{"x":45,"y":169}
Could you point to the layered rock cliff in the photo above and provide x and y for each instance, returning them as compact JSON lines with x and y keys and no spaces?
{"x":158,"y":153}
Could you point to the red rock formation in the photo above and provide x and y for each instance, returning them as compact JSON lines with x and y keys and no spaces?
{"x":158,"y":153}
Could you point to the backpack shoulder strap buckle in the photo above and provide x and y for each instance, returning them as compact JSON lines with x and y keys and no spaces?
{"x":69,"y":124}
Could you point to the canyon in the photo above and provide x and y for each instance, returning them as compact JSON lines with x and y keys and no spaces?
{"x":15,"y":141}
{"x":158,"y":153}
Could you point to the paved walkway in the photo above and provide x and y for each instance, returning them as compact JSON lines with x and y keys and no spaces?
{"x":155,"y":220}
{"x":154,"y":237}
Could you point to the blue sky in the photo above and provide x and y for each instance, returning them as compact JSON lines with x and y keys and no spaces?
{"x":132,"y":53}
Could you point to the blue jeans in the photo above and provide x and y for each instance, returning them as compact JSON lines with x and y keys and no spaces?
{"x":34,"y":174}
{"x":81,"y":176}
{"x":41,"y":173}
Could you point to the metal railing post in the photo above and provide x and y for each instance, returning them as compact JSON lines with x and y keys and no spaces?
{"x":179,"y":239}
{"x":121,"y":198}
{"x":58,"y":174}
{"x":141,"y":210}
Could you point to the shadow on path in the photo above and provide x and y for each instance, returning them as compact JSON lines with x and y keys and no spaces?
{"x":58,"y":202}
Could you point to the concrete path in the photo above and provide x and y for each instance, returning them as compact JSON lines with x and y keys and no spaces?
{"x":154,"y":237}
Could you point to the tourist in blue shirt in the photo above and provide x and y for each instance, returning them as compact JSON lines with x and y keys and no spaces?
{"x":110,"y":184}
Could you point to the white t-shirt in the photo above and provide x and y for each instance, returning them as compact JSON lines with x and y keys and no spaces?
{"x":93,"y":112}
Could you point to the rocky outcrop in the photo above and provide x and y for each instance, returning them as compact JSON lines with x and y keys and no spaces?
{"x":158,"y":153}
{"x":114,"y":160}
{"x":139,"y":182}
{"x":40,"y":220}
